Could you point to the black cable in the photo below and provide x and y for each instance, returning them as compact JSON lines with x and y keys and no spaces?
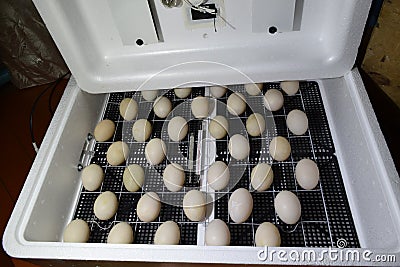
{"x":58,"y":81}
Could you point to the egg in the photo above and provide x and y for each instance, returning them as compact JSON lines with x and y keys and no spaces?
{"x":240,"y":205}
{"x":288,"y":207}
{"x":239,"y":147}
{"x":150,"y":95}
{"x":162,"y":107}
{"x":92,"y":177}
{"x":148,"y":207}
{"x":77,"y":231}
{"x":217,"y":91}
{"x":255,"y":124}
{"x":105,"y":206}
{"x":174,"y":177}
{"x":218,"y":175}
{"x":273,"y":100}
{"x":104,"y":130}
{"x":267,"y":235}
{"x":128,"y":108}
{"x":167,"y":233}
{"x":261,"y":177}
{"x":218,"y":127}
{"x":297,"y":122}
{"x":253,"y":88}
{"x":155,"y":151}
{"x":307,"y":174}
{"x":279,"y":148}
{"x":200,"y":107}
{"x":121,"y":233}
{"x":183,"y":92}
{"x":236,"y":104}
{"x":117,"y":153}
{"x":290,"y":87}
{"x":194,"y":205}
{"x":177,"y":128}
{"x":141,"y":130}
{"x":217,"y":233}
{"x":133,"y":177}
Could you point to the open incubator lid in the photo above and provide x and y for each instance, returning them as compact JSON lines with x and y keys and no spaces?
{"x":125,"y":45}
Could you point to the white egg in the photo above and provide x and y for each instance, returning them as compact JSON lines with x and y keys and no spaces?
{"x":150,"y":95}
{"x":200,"y":107}
{"x":262,"y":177}
{"x":273,"y":100}
{"x":174,"y":177}
{"x":155,"y":151}
{"x":255,"y":124}
{"x":290,"y":87}
{"x":239,"y":147}
{"x":218,"y":127}
{"x":253,"y":88}
{"x":217,"y":91}
{"x":133,"y":177}
{"x":297,"y":122}
{"x":279,"y":148}
{"x":92,"y":177}
{"x":240,"y":205}
{"x":217,"y":233}
{"x":105,"y":206}
{"x":307,"y":174}
{"x":162,"y":107}
{"x":177,"y":128}
{"x":194,"y":205}
{"x":167,"y":233}
{"x":288,"y":207}
{"x":267,"y":235}
{"x":183,"y":92}
{"x":117,"y":153}
{"x":148,"y":207}
{"x":236,"y":104}
{"x":77,"y":231}
{"x":128,"y":108}
{"x":104,"y":130}
{"x":141,"y":130}
{"x":121,"y":233}
{"x":218,"y":175}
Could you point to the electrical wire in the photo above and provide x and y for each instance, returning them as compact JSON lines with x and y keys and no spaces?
{"x":58,"y":81}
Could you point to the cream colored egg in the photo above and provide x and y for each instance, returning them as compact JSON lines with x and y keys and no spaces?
{"x":217,"y":91}
{"x":162,"y":107}
{"x":141,"y":130}
{"x":128,"y":108}
{"x":239,"y":147}
{"x":297,"y":122}
{"x":183,"y":92}
{"x":268,"y":235}
{"x":194,"y":205}
{"x":255,"y":124}
{"x":155,"y":151}
{"x":288,"y":207}
{"x":121,"y":233}
{"x":174,"y":177}
{"x":217,"y":233}
{"x":253,"y":88}
{"x":290,"y":87}
{"x":92,"y":177}
{"x":104,"y":130}
{"x":117,"y":153}
{"x":218,"y":175}
{"x":261,"y":177}
{"x":240,"y":205}
{"x":307,"y":174}
{"x":177,"y":128}
{"x":150,"y":95}
{"x":148,"y":207}
{"x":200,"y":107}
{"x":236,"y":104}
{"x":133,"y":177}
{"x":273,"y":100}
{"x":167,"y":233}
{"x":105,"y":206}
{"x":77,"y":231}
{"x":279,"y":148}
{"x":218,"y":127}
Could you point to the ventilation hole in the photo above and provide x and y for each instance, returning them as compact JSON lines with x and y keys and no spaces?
{"x":272,"y":30}
{"x":139,"y":42}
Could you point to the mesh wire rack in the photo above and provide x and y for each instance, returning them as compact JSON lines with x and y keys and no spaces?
{"x":326,"y":216}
